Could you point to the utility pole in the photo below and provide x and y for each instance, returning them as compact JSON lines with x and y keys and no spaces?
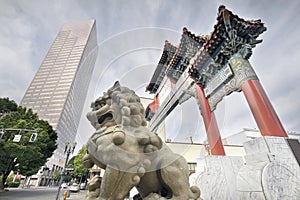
{"x":69,"y":148}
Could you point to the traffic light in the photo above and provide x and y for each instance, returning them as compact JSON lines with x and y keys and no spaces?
{"x":33,"y":137}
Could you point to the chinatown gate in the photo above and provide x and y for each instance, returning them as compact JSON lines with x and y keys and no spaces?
{"x":210,"y":67}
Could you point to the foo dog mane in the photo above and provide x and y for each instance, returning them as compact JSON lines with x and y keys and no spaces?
{"x":124,"y":101}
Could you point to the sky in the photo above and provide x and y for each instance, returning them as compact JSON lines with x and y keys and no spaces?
{"x":131,"y":36}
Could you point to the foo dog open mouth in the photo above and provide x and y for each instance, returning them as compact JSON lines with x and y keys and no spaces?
{"x":104,"y":115}
{"x":105,"y":118}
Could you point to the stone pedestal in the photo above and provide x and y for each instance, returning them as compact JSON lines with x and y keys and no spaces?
{"x":271,"y":170}
{"x":216,"y":177}
{"x":268,"y":171}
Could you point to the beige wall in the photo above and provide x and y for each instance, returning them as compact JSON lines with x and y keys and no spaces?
{"x":234,"y":150}
{"x":191,"y":152}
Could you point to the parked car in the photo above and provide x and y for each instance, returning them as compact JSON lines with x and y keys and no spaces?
{"x":74,"y":187}
{"x":82,"y":186}
{"x":64,"y":185}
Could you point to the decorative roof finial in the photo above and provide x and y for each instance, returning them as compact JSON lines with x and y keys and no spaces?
{"x":221,"y":7}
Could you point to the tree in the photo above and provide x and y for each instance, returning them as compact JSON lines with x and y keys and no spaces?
{"x":29,"y":155}
{"x":7,"y":106}
{"x":71,"y":162}
{"x":56,"y":176}
{"x":76,"y":161}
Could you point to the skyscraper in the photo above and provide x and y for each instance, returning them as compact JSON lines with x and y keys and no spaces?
{"x":58,"y":91}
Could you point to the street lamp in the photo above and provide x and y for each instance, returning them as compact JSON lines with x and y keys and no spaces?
{"x":69,"y":148}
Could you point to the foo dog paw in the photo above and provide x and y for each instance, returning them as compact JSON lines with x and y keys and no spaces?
{"x":94,"y":188}
{"x":154,"y":196}
{"x":93,"y":195}
{"x":195,"y":193}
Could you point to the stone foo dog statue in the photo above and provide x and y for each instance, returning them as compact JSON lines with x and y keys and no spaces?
{"x":131,"y":155}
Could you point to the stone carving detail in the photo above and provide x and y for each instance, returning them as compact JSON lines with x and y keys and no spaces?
{"x":272,"y":171}
{"x":242,"y":70}
{"x":269,"y":170}
{"x":223,"y":91}
{"x":218,"y":176}
{"x":131,"y":155}
{"x":94,"y":187}
{"x":280,"y":181}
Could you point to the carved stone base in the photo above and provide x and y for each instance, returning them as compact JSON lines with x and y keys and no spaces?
{"x":218,"y":178}
{"x":270,"y":171}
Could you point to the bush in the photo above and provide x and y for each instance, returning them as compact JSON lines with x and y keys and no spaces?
{"x":13,"y":184}
{"x":10,"y":178}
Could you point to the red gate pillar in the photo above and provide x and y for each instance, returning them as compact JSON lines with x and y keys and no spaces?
{"x":261,"y":107}
{"x":211,"y":126}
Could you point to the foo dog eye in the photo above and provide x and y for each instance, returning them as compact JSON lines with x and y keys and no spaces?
{"x":108,"y":101}
{"x":100,"y":104}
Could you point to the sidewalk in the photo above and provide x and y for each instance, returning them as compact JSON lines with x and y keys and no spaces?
{"x":77,"y":195}
{"x":50,"y":194}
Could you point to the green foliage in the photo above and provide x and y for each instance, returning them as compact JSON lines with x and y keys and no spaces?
{"x":30,"y":155}
{"x":71,"y":162}
{"x":56,"y":176}
{"x":75,"y":162}
{"x":10,"y":178}
{"x":7,"y":105}
{"x":67,"y":178}
{"x":17,"y":180}
{"x":13,"y":184}
{"x":79,"y":170}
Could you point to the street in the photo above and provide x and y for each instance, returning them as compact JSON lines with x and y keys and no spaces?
{"x":44,"y":193}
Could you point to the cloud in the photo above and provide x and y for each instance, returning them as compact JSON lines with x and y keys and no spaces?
{"x":26,"y":33}
{"x":15,"y":52}
{"x":131,"y":36}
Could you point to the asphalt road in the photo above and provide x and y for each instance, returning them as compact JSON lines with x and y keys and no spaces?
{"x":43,"y":193}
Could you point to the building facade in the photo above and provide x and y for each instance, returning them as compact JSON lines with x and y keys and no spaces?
{"x":58,"y":91}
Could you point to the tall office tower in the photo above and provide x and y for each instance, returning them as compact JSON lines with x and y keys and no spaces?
{"x":58,"y":91}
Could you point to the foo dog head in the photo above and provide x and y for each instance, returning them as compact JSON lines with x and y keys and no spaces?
{"x":118,"y":106}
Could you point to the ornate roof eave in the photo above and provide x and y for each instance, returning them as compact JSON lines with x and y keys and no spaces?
{"x":159,"y":72}
{"x":229,"y":35}
{"x":188,"y":41}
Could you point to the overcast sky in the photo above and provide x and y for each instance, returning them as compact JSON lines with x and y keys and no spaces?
{"x":131,"y":35}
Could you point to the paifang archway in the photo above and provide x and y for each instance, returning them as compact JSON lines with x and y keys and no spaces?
{"x":210,"y":67}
